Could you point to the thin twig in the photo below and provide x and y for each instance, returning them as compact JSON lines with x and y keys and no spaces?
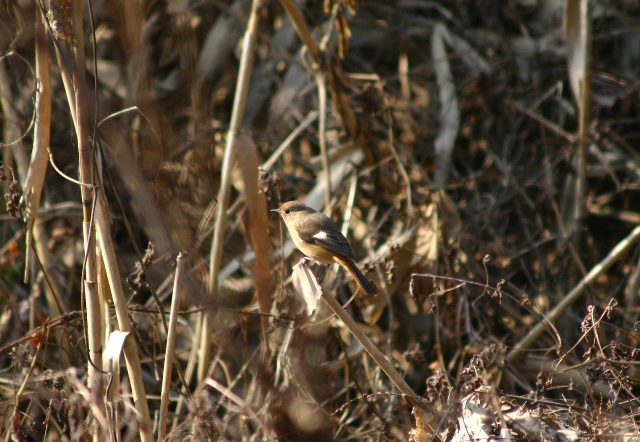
{"x":287,"y":142}
{"x":62,"y":174}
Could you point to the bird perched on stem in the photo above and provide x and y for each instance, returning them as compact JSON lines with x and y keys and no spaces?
{"x":318,"y":237}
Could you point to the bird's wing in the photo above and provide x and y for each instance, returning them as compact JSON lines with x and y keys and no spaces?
{"x":328,"y":236}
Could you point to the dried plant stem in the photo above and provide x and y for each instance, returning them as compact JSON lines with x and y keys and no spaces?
{"x":287,"y":142}
{"x":529,"y":111}
{"x":351,"y":198}
{"x":239,"y":101}
{"x":302,"y":29}
{"x":320,"y":78}
{"x":572,"y":296}
{"x":189,"y":371}
{"x":371,"y":348}
{"x":584,"y":107}
{"x":170,"y":350}
{"x":72,"y":68}
{"x":41,"y":136}
{"x":132,"y":358}
{"x":578,"y":36}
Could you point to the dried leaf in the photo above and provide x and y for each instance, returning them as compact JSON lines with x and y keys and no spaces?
{"x":306,"y":286}
{"x":258,"y":224}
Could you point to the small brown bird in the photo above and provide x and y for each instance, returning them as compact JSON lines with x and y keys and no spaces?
{"x":318,"y":237}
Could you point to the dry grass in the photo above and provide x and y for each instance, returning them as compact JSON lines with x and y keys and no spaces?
{"x":485,"y":172}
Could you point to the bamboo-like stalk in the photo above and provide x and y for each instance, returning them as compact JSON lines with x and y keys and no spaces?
{"x":578,"y":39}
{"x":169,"y":352}
{"x":584,"y":108}
{"x":239,"y":101}
{"x":132,"y":358}
{"x":73,"y":76}
{"x":86,"y":164}
{"x":74,"y":80}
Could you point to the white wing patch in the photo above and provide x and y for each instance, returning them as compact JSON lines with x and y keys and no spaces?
{"x":322,"y":236}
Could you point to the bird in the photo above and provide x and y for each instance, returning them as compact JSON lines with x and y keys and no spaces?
{"x":319,"y":238}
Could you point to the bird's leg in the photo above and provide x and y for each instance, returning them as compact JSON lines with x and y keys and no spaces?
{"x":304,"y":259}
{"x":307,"y":259}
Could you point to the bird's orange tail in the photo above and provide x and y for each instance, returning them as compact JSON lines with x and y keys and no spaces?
{"x":356,"y":274}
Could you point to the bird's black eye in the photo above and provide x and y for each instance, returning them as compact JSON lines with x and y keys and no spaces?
{"x":287,"y":212}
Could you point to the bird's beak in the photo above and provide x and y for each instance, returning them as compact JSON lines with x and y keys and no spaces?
{"x":275,"y":210}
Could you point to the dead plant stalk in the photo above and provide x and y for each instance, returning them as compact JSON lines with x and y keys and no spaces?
{"x":239,"y":102}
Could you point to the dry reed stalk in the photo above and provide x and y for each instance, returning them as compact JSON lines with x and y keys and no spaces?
{"x":72,"y":67}
{"x":134,"y":367}
{"x":239,"y":101}
{"x":302,"y":29}
{"x":86,"y":163}
{"x":321,"y":84}
{"x":41,"y":136}
{"x":170,"y":350}
{"x":192,"y":365}
{"x":577,"y":25}
{"x":73,"y":74}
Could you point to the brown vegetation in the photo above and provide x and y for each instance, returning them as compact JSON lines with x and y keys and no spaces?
{"x":480,"y":155}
